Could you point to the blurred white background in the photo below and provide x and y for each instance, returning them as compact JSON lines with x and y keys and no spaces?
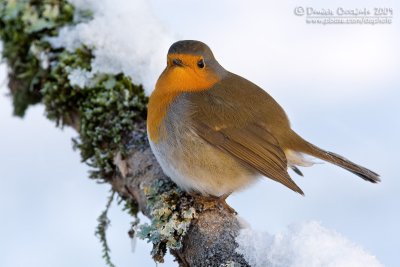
{"x":338,"y":83}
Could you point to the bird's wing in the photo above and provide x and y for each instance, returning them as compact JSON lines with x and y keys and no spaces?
{"x":235,"y":116}
{"x":253,"y":146}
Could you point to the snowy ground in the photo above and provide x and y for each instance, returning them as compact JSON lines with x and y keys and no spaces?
{"x":339,"y":85}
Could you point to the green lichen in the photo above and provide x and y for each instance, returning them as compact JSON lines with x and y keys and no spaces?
{"x":104,"y":112}
{"x":62,"y":100}
{"x":104,"y":223}
{"x":171,"y":212}
{"x":23,"y":24}
{"x":107,"y":116}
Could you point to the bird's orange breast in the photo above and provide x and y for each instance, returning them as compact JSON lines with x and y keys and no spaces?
{"x":172,"y":82}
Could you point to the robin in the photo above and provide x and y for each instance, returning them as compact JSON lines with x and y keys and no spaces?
{"x":214,"y":132}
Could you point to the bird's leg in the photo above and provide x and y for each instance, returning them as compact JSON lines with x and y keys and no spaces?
{"x":222,"y":201}
{"x":206,"y":202}
{"x":209,"y":202}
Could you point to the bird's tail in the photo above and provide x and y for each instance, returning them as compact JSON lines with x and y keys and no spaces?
{"x":301,"y":145}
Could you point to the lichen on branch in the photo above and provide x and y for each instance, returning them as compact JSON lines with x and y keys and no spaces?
{"x":103,"y":112}
{"x":24,"y":24}
{"x":171,"y":213}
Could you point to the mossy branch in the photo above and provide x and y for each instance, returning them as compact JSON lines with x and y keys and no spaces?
{"x":109,"y":114}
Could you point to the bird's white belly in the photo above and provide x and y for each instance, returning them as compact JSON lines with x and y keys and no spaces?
{"x":195,"y":165}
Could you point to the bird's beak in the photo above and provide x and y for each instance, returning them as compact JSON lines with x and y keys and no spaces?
{"x":177,"y":62}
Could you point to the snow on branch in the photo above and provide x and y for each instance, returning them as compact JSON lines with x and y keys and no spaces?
{"x":302,"y":245}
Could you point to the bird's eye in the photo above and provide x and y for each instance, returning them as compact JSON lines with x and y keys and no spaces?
{"x":200,"y":63}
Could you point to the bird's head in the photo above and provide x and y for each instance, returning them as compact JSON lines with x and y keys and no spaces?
{"x":191,"y":66}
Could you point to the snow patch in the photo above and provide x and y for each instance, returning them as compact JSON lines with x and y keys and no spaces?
{"x":125,"y":37}
{"x":80,"y":77}
{"x":302,"y":245}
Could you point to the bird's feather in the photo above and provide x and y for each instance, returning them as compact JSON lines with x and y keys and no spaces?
{"x":252,"y":146}
{"x":236,"y":127}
